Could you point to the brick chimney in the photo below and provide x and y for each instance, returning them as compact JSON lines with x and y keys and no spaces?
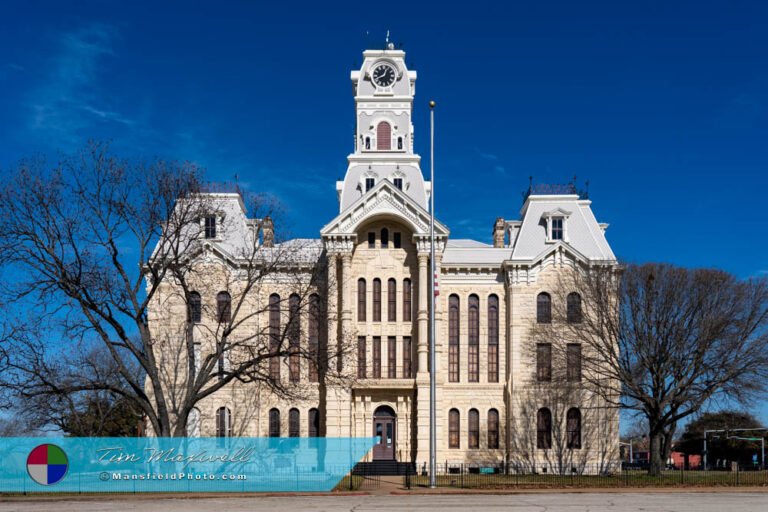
{"x":268,"y":231}
{"x":498,"y":233}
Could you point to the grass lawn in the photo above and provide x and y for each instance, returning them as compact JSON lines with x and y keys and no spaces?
{"x":624,"y":479}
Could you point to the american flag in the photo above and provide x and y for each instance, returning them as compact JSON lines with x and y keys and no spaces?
{"x":437,"y":289}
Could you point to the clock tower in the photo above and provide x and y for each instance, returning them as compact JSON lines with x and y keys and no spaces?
{"x":384,"y":89}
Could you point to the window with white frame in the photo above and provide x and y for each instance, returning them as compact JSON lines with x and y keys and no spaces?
{"x":556,"y":225}
{"x":557,"y":228}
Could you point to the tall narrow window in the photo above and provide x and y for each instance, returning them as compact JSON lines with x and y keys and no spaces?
{"x":574,"y":308}
{"x":407,"y":347}
{"x":407,"y":304}
{"x":474,"y":339}
{"x":573,"y":419}
{"x":369,"y":183}
{"x":361,"y":300}
{"x":399,"y":183}
{"x":400,"y":143}
{"x":493,"y":429}
{"x":274,"y":423}
{"x":474,"y":429}
{"x":377,"y":357}
{"x":383,"y":136}
{"x":313,"y":335}
{"x":544,"y":429}
{"x":391,"y":357}
{"x":557,"y":229}
{"x":294,"y":423}
{"x":573,"y":363}
{"x":362,"y":369}
{"x":371,"y":240}
{"x":453,"y":338}
{"x":223,"y":422}
{"x":274,"y":336}
{"x":377,"y":300}
{"x":454,"y":428}
{"x":544,"y":308}
{"x":544,"y":362}
{"x":314,"y":423}
{"x":397,"y":240}
{"x":210,"y":226}
{"x":294,"y":341}
{"x":367,"y":143}
{"x":223,"y":307}
{"x":195,"y":308}
{"x":493,"y":338}
{"x":391,"y":300}
{"x":384,"y":238}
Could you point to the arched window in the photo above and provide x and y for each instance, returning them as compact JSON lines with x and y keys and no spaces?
{"x":361,"y":300}
{"x":223,"y":307}
{"x":274,"y":423}
{"x":574,"y":308}
{"x":544,"y":429}
{"x":454,"y":428}
{"x":294,"y":423}
{"x":473,"y":361}
{"x":377,"y":300}
{"x":274,"y":336}
{"x":453,"y":338}
{"x":294,"y":341}
{"x":474,"y":429}
{"x":313,"y":335}
{"x":544,"y":308}
{"x":193,"y":423}
{"x":573,"y":419}
{"x":493,"y":429}
{"x":493,"y":338}
{"x":384,"y":238}
{"x":384,"y":136}
{"x":195,"y":308}
{"x":314,"y":423}
{"x":391,"y":300}
{"x":223,"y":422}
{"x":407,"y":302}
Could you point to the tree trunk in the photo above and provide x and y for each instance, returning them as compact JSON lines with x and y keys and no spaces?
{"x":656,"y":453}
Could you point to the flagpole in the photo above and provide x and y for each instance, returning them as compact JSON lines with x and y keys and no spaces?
{"x":432,"y":390}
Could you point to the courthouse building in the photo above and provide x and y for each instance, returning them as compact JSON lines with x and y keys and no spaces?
{"x":496,"y":398}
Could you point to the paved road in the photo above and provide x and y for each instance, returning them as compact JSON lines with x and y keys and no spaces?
{"x":558,"y":502}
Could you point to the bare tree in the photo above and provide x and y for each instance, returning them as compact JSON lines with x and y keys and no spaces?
{"x":115,"y":251}
{"x":665,"y":341}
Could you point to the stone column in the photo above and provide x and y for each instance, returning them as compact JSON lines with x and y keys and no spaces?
{"x":345,"y":284}
{"x":423,"y":313}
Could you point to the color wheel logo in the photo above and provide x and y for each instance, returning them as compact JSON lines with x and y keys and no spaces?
{"x":47,"y":464}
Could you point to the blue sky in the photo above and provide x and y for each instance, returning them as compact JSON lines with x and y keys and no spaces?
{"x":662,"y":106}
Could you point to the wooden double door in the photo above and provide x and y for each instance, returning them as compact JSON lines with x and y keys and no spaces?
{"x":385,"y":428}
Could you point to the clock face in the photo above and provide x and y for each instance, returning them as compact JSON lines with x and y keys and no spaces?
{"x":383,"y":75}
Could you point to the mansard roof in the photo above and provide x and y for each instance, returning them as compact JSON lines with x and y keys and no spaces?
{"x":585,"y":235}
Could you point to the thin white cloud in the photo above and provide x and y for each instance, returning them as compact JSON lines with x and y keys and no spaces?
{"x":70,"y":100}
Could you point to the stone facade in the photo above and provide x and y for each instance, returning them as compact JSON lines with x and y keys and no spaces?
{"x":381,"y":235}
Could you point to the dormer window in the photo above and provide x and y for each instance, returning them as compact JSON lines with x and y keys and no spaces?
{"x":556,"y":224}
{"x":369,"y":183}
{"x":557,"y":228}
{"x":399,"y":183}
{"x":210,"y":226}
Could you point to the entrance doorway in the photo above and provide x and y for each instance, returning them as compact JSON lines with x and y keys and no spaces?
{"x":384,"y":428}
